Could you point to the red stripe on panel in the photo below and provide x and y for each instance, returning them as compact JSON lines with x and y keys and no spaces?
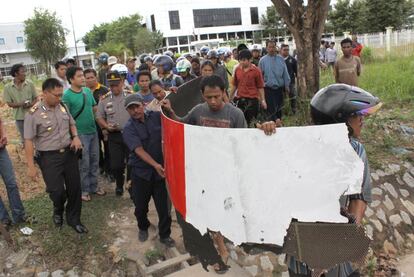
{"x":174,"y":162}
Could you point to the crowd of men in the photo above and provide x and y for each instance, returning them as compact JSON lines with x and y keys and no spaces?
{"x":88,"y":122}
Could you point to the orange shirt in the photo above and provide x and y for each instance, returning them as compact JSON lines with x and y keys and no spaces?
{"x":248,"y":82}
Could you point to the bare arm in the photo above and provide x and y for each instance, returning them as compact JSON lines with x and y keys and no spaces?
{"x":15,"y":105}
{"x":232,"y":91}
{"x":357,"y":208}
{"x":359,"y":68}
{"x":335,"y":71}
{"x":261,"y":95}
{"x":102,"y":123}
{"x":29,"y":149}
{"x":76,"y":144}
{"x":3,"y":138}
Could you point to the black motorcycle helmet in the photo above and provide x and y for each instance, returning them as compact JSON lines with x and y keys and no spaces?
{"x":212,"y":54}
{"x":142,"y":57}
{"x":336,"y":103}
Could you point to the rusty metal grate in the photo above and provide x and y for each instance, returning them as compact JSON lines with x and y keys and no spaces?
{"x":322,"y":246}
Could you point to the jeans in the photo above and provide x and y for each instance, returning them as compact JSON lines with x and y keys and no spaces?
{"x":20,"y":127}
{"x":89,"y":164}
{"x":274,"y":101}
{"x":7,"y":173}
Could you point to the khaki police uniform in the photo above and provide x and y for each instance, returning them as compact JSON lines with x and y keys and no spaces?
{"x":49,"y":129}
{"x":111,"y":108}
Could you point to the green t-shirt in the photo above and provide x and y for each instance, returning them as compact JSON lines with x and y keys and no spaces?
{"x":85,"y":123}
{"x":12,"y":94}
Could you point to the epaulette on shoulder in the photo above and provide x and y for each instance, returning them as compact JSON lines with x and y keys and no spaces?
{"x":129,"y":91}
{"x":106,"y":95}
{"x":34,"y":108}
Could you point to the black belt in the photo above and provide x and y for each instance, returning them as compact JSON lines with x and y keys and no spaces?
{"x":62,"y":150}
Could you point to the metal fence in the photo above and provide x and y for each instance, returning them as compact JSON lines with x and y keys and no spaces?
{"x":398,"y":43}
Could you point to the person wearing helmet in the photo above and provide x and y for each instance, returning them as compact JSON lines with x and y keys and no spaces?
{"x":142,"y":57}
{"x":183,"y":68}
{"x":112,"y":117}
{"x":165,"y":73}
{"x":123,"y":72}
{"x":70,"y":62}
{"x":169,"y":54}
{"x":204,"y":51}
{"x":219,"y":69}
{"x":256,"y":52}
{"x":148,"y":61}
{"x":104,"y":68}
{"x":188,"y":56}
{"x":340,"y":103}
{"x":112,"y":60}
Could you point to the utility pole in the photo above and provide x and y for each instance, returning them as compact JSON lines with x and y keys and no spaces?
{"x":73,"y":31}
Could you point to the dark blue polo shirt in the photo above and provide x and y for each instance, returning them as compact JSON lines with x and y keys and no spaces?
{"x":145,"y":134}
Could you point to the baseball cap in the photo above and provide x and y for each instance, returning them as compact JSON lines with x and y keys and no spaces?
{"x":133,"y":99}
{"x":112,"y":60}
{"x":131,"y":59}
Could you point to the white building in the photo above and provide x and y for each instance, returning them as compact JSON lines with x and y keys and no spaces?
{"x":189,"y":24}
{"x":13,"y":50}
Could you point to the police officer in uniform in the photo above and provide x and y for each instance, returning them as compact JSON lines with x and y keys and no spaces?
{"x":50,"y":129}
{"x":112,"y":117}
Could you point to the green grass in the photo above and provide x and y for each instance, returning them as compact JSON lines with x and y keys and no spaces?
{"x":65,"y":247}
{"x":391,"y":81}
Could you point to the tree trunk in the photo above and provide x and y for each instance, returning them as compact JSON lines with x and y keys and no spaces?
{"x":306,"y":25}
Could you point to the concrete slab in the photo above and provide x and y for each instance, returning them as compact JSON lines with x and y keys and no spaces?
{"x":197,"y":270}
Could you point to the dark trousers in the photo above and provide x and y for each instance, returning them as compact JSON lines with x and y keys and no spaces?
{"x":292,"y":97}
{"x":274,"y":101}
{"x":142,"y":190}
{"x":60,"y":172}
{"x":104,"y":160}
{"x":118,"y":152}
{"x":249,"y":107}
{"x":292,"y":274}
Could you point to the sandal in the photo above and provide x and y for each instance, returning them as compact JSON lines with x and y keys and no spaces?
{"x":220,"y":268}
{"x":100,"y":192}
{"x":86,"y":198}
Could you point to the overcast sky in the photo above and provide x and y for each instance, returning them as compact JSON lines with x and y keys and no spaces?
{"x":86,"y":13}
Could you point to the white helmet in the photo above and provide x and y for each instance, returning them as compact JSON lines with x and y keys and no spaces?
{"x":112,"y":60}
{"x":120,"y":68}
{"x":183,"y":65}
{"x":256,"y":47}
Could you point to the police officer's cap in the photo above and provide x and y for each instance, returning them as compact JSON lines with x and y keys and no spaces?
{"x":113,"y":77}
{"x":133,"y":99}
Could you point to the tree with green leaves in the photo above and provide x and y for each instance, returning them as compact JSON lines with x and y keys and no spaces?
{"x":383,"y":13}
{"x":273,"y":23}
{"x":124,"y":34}
{"x":368,"y":16}
{"x":348,"y":16}
{"x":45,"y":37}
